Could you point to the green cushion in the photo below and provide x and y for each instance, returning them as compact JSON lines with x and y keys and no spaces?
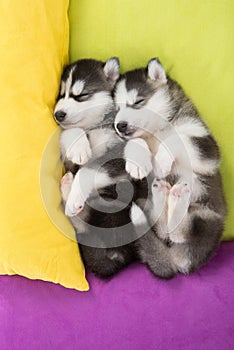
{"x":194,"y":41}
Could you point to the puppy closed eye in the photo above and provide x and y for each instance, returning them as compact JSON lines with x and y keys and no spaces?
{"x":139,"y":102}
{"x":81,"y":97}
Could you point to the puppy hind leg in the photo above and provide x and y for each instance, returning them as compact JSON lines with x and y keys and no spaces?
{"x":86,"y":181}
{"x":105,"y":263}
{"x":204,"y":231}
{"x":151,"y":250}
{"x":156,"y":255}
{"x":181,"y":257}
{"x":178,"y":216}
{"x":158,"y":210}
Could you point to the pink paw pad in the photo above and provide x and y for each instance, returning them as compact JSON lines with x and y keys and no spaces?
{"x":66,"y":184}
{"x":180,"y":189}
{"x":67,"y":179}
{"x":161,"y":185}
{"x":78,"y":208}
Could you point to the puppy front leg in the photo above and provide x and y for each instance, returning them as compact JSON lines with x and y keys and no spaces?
{"x":163,"y":162}
{"x":86,"y":181}
{"x":138,"y":158}
{"x":75,"y":146}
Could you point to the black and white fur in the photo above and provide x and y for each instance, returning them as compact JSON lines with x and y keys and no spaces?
{"x":93,"y":156}
{"x":86,"y":111}
{"x":187,"y":207}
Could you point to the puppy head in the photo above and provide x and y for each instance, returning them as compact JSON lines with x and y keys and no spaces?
{"x":86,"y":93}
{"x":142,"y":100}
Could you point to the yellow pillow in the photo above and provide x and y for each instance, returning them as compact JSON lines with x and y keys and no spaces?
{"x":34,"y":46}
{"x":194,"y":41}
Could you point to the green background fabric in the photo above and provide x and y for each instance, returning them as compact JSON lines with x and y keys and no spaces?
{"x":193,"y":39}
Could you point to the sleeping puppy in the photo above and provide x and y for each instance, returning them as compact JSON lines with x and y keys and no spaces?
{"x":93,"y":155}
{"x":85,"y":110}
{"x":187,"y":207}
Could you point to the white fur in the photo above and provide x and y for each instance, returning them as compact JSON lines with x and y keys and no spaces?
{"x":84,"y":114}
{"x":181,"y":260}
{"x":75,"y":146}
{"x":178,"y":204}
{"x":137,"y":216}
{"x":68,"y":137}
{"x":132,"y":96}
{"x":62,"y":88}
{"x":68,"y":83}
{"x":160,"y":104}
{"x":78,"y":87}
{"x":163,"y":161}
{"x":173,"y":149}
{"x":160,"y":190}
{"x":198,"y":164}
{"x":66,"y":183}
{"x":198,"y":188}
{"x":79,"y":152}
{"x":138,"y":158}
{"x":186,"y":128}
{"x":100,"y":142}
{"x":190,"y":127}
{"x":176,"y":145}
{"x":175,"y":137}
{"x":121,"y":94}
{"x":147,"y":120}
{"x":85,"y":182}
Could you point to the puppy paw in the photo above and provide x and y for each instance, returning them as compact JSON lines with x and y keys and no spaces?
{"x":178,"y":204}
{"x":140,"y":169}
{"x":160,"y":190}
{"x":163,"y":162}
{"x":74,"y":205}
{"x":75,"y":202}
{"x":138,"y":159}
{"x":79,"y":152}
{"x":66,"y":184}
{"x":160,"y":187}
{"x":180,"y":192}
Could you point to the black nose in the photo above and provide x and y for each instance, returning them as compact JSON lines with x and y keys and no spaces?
{"x":60,"y":116}
{"x":122,"y":126}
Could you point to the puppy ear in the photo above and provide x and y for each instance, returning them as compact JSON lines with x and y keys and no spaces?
{"x":156,"y":71}
{"x":111,"y":70}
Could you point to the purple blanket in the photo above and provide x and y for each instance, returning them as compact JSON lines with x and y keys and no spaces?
{"x":134,"y":310}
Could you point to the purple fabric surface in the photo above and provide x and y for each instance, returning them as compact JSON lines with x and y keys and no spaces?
{"x":134,"y":310}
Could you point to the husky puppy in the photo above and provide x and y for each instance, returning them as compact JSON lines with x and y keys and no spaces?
{"x":86,"y":111}
{"x":187,"y":207}
{"x":93,"y":156}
